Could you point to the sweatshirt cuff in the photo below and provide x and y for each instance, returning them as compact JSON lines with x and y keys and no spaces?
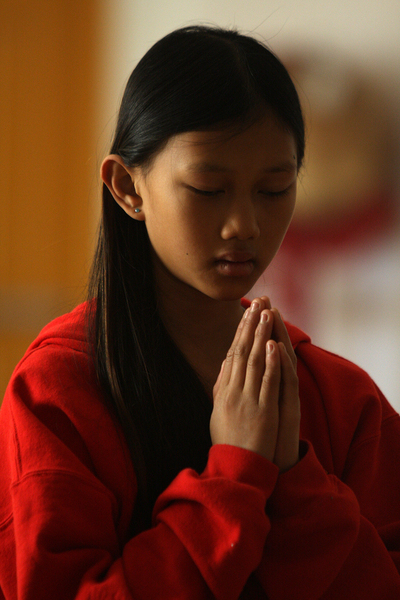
{"x":244,"y":466}
{"x":297,"y":489}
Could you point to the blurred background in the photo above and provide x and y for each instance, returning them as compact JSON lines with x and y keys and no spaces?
{"x":63,"y":66}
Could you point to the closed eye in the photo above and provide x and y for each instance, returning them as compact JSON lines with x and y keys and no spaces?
{"x":270,"y":194}
{"x":204,"y":192}
{"x":277,"y":194}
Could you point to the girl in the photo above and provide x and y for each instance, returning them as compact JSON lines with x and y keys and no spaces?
{"x":134,"y":466}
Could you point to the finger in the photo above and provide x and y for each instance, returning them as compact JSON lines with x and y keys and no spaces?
{"x":224,"y":375}
{"x":257,"y":357}
{"x":267,"y":302}
{"x":264,"y":302}
{"x":240,"y":352}
{"x":269,"y":399}
{"x":241,"y":345}
{"x":270,"y":386}
{"x":287,"y":446}
{"x":217,"y":383}
{"x":280,"y":334}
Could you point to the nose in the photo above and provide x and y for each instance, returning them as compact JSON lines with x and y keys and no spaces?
{"x":240,"y":220}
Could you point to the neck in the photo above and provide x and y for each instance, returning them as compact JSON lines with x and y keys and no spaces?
{"x":202,"y":328}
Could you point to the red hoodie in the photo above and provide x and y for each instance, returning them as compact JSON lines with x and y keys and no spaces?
{"x":328,"y":528}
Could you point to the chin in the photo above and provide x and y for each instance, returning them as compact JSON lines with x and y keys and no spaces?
{"x":230,"y":293}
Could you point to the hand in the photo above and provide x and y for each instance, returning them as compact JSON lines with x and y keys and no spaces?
{"x":287,"y":447}
{"x":256,"y":402}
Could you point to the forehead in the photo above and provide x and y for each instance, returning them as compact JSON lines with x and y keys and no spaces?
{"x":267,"y":143}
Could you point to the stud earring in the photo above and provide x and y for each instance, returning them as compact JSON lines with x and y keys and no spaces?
{"x":137,"y":210}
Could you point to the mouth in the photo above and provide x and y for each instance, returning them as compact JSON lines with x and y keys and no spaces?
{"x":236,"y":256}
{"x":236,"y":264}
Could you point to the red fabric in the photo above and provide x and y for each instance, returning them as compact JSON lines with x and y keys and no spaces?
{"x":331,"y":527}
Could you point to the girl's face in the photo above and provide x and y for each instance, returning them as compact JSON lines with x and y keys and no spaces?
{"x":217,"y":206}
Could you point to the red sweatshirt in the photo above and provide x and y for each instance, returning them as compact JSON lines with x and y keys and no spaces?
{"x":328,"y":528}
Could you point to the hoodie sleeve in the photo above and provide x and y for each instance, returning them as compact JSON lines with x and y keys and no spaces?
{"x":335,"y":517}
{"x":66,"y":497}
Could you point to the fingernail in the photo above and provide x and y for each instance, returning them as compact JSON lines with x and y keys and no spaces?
{"x":264,"y":317}
{"x":254,"y":306}
{"x":270,"y":348}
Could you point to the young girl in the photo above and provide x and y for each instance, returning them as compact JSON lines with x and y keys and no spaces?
{"x":134,"y":466}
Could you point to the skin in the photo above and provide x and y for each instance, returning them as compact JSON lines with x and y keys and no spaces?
{"x":217,"y":205}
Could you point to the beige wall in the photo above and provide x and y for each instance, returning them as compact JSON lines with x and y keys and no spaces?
{"x":367,"y":30}
{"x":48,"y":63}
{"x":366,"y":33}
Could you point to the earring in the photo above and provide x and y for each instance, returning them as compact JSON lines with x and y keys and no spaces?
{"x":137,"y":210}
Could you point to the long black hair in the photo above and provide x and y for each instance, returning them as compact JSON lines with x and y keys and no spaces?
{"x":193,"y":79}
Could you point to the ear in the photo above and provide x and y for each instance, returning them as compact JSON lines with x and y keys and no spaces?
{"x":121,"y":182}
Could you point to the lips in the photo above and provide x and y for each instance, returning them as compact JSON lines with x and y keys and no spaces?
{"x":236,"y":257}
{"x":236,"y":263}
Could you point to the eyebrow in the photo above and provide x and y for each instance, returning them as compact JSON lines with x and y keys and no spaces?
{"x":204,"y":167}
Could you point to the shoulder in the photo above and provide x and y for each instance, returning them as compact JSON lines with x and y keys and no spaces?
{"x":65,"y":336}
{"x":68,"y":330}
{"x":57,"y":368}
{"x":54,"y":420}
{"x":342,"y":407}
{"x":57,"y":361}
{"x":54,"y":409}
{"x":333,"y":375}
{"x":53,"y":390}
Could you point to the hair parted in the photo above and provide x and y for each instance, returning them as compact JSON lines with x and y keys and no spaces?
{"x":200,"y":77}
{"x":194,"y":78}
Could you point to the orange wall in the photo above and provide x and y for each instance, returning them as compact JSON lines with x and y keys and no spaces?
{"x":48,"y":166}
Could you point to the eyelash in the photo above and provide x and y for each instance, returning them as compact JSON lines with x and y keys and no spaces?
{"x":216,"y":192}
{"x":276,"y":194}
{"x":205,"y":192}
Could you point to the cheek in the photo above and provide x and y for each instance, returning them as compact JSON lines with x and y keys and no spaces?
{"x":177,"y":233}
{"x":287,"y":215}
{"x":191,"y":222}
{"x":278,"y":217}
{"x":286,"y":210}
